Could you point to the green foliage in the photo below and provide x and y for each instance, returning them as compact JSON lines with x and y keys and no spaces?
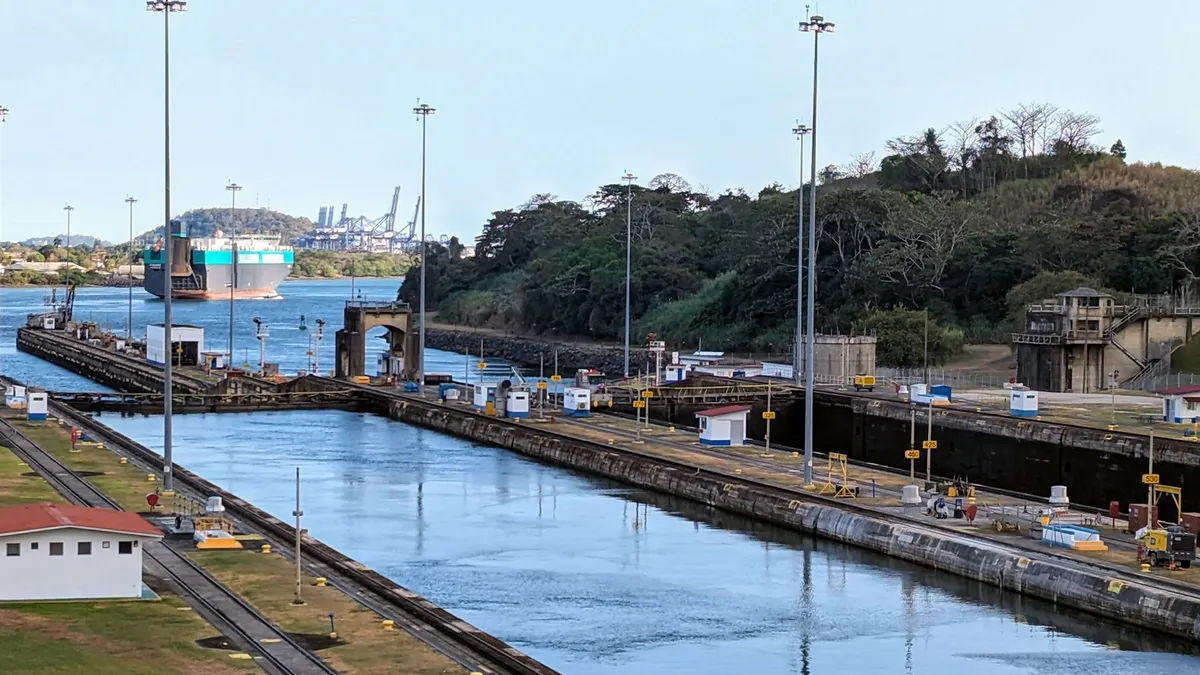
{"x":901,"y":337}
{"x":337,"y":264}
{"x":205,"y":222}
{"x":951,"y":221}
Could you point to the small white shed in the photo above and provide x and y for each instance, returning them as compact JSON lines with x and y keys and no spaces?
{"x":38,"y":405}
{"x":723,"y":426}
{"x":516,"y":403}
{"x":676,"y":372}
{"x":1023,"y":402}
{"x":1181,"y":405}
{"x":483,"y":393}
{"x":186,"y":339}
{"x":65,"y":552}
{"x":577,"y":401}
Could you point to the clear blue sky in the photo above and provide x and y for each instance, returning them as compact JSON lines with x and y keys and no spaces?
{"x":308,"y":103}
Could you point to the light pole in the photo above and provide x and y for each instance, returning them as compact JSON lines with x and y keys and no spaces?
{"x":66,"y":271}
{"x":797,"y":356}
{"x":233,"y":190}
{"x":423,"y":112}
{"x":3,"y":115}
{"x":815,"y":25}
{"x":628,"y":178}
{"x":167,"y":7}
{"x":129,"y":318}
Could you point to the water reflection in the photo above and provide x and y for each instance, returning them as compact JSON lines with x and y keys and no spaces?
{"x":595,"y":578}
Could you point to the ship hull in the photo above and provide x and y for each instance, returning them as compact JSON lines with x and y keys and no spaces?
{"x":211,"y":282}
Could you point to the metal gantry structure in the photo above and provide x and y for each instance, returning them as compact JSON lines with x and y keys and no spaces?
{"x":379,"y":235}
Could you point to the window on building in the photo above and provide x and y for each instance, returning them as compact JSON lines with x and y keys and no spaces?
{"x":56,"y":548}
{"x":107,"y":544}
{"x":85,"y":548}
{"x":125,"y":547}
{"x":33,"y":546}
{"x":12,"y":550}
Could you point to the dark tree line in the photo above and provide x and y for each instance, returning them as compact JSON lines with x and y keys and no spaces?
{"x":954,"y":221}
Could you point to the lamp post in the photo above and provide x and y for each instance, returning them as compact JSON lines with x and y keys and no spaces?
{"x":423,"y":112}
{"x":129,"y":318}
{"x":3,"y":115}
{"x":167,"y":7}
{"x":797,"y":355}
{"x":628,"y":178}
{"x":816,"y":25}
{"x":233,"y":190}
{"x":67,"y":270}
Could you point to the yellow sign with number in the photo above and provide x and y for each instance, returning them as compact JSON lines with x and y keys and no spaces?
{"x":769,"y":415}
{"x":556,"y":378}
{"x":647,"y":394}
{"x":1150,"y":478}
{"x":929,"y":445}
{"x":912,"y":454}
{"x":837,"y":457}
{"x":482,"y":365}
{"x":541,"y":385}
{"x":639,"y":404}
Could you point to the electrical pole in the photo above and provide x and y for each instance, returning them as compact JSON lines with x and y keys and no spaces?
{"x":628,"y":178}
{"x":798,"y":349}
{"x":298,"y":600}
{"x":926,"y":376}
{"x":423,"y":112}
{"x":233,"y":252}
{"x":167,"y":7}
{"x":815,"y":25}
{"x":129,"y":319}
{"x":66,"y":271}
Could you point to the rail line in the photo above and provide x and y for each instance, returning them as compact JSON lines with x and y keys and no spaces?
{"x":461,"y":642}
{"x":236,"y":618}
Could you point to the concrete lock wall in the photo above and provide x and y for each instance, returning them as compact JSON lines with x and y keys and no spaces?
{"x":1048,"y":577}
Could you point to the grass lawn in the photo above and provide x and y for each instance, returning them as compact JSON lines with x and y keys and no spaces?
{"x":268,"y":582}
{"x":16,"y":488}
{"x":110,"y":638}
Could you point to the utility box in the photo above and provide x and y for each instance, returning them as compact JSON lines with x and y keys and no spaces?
{"x":1190,"y":522}
{"x":38,"y":406}
{"x":516,"y":403}
{"x":577,"y":402}
{"x":1023,"y":402}
{"x":1141,"y":515}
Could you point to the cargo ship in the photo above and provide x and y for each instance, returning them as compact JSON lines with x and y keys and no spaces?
{"x":206,"y":268}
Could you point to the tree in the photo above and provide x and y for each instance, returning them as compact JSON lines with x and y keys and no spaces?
{"x":1117,"y":150}
{"x":900,"y":337}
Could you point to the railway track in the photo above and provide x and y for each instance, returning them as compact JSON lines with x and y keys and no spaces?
{"x":276,"y":650}
{"x":461,"y":642}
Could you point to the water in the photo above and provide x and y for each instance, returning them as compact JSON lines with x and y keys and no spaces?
{"x":597,"y":579}
{"x":286,"y":343}
{"x":586,"y":575}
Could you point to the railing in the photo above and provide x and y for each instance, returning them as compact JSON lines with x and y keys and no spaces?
{"x":1037,"y":338}
{"x":392,"y":305}
{"x":1153,"y":381}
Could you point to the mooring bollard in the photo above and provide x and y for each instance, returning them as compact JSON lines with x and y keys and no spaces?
{"x":266,"y":548}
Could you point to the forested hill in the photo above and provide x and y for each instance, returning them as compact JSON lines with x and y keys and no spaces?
{"x":203,"y":222}
{"x":969,"y":222}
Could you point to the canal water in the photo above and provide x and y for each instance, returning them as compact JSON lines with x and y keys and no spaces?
{"x":592,"y":577}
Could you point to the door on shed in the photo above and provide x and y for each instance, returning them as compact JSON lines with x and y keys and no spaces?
{"x":737,"y":432}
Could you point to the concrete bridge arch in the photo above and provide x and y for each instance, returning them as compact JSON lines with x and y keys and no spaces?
{"x":359,"y":317}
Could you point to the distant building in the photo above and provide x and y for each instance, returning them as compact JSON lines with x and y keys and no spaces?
{"x":43,"y":267}
{"x":1078,"y":340}
{"x":65,"y":552}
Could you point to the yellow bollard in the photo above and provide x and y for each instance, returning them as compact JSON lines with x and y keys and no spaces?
{"x":99,"y":446}
{"x":150,"y":478}
{"x":388,"y":624}
{"x":737,"y":470}
{"x":671,"y":429}
{"x":610,"y":441}
{"x":795,"y":454}
{"x":320,"y":581}
{"x":123,"y":460}
{"x":333,"y":636}
{"x":1145,"y":567}
{"x":266,"y":548}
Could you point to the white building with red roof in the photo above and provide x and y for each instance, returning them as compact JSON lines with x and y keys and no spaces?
{"x":725,"y":425}
{"x":64,"y":552}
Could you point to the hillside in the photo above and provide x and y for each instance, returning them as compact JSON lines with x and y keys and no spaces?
{"x":204,"y":222}
{"x":969,"y":223}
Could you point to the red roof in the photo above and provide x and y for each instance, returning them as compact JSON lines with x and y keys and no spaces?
{"x":49,"y":516}
{"x":724,"y":410}
{"x":1175,"y":391}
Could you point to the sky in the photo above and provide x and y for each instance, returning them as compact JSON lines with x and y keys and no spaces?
{"x":308,"y":104}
